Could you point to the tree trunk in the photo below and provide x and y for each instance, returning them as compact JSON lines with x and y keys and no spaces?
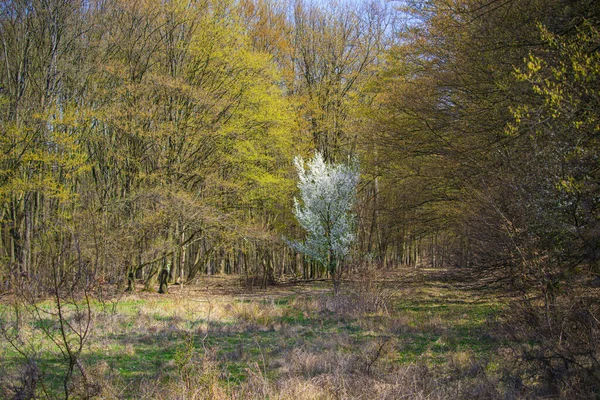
{"x":163,"y":279}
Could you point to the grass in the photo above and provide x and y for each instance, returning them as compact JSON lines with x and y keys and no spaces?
{"x":403,"y":334}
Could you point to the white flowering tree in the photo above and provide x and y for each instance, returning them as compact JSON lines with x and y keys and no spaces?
{"x":327,"y":193}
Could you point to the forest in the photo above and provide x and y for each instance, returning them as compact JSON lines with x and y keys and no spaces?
{"x":161,"y":220}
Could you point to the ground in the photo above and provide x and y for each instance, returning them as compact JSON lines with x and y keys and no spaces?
{"x":402,"y":333}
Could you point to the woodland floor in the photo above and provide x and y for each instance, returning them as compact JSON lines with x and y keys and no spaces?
{"x":409,"y":333}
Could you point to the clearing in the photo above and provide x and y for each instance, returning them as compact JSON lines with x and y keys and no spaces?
{"x":411,"y":333}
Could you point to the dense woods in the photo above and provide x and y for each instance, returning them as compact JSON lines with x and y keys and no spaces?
{"x":487,"y":113}
{"x":141,"y":135}
{"x":146,"y":143}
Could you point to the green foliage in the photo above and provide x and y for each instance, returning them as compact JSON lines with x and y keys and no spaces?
{"x":172,"y":130}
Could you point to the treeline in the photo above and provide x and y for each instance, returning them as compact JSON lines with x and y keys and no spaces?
{"x":487,"y":129}
{"x":489,"y":120}
{"x":148,"y":136}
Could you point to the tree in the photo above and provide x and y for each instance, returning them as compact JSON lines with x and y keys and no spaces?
{"x":190,"y":142}
{"x":328,"y":192}
{"x":443,"y":105}
{"x":335,"y":47}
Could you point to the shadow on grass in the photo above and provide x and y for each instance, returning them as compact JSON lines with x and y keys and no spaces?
{"x":428,"y":322}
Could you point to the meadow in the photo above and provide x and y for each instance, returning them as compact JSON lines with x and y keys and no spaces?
{"x":408,"y":333}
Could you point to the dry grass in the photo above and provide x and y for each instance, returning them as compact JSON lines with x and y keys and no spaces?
{"x":403,"y":338}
